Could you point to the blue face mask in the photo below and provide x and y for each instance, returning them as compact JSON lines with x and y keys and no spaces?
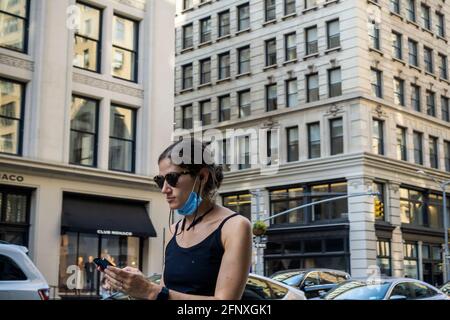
{"x":191,"y":204}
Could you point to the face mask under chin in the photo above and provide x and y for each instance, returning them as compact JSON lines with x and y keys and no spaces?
{"x":192,"y":203}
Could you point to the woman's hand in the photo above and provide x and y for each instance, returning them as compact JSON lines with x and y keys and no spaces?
{"x":132,"y":282}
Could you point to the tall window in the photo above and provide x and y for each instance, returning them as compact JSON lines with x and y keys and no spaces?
{"x":397,"y":45}
{"x":426,"y":17}
{"x":384,"y":257}
{"x":125,"y":48}
{"x":418,"y":147}
{"x":431,"y":103}
{"x":312,"y":87}
{"x":312,"y":46}
{"x":205,"y":30}
{"x":244,"y":152}
{"x":271,"y":97}
{"x":337,"y":136}
{"x":410,"y":261}
{"x":188,"y":36}
{"x":334,"y":82}
{"x":445,"y":109}
{"x":447,"y":155}
{"x":270,"y":10}
{"x":443,"y":66}
{"x":205,"y":71}
{"x":291,"y":93}
{"x":239,"y":202}
{"x":83,"y":131}
{"x":412,"y":206}
{"x":122,"y":139}
{"x":205,"y":112}
{"x":272,"y":147}
{"x":415,"y":97}
{"x":377,"y":137}
{"x":187,"y":116}
{"x":402,"y":153}
{"x":374,"y":34}
{"x":187,"y":4}
{"x":187,"y":76}
{"x":225,"y":154}
{"x":87,"y":44}
{"x":224,"y":65}
{"x":224,"y":108}
{"x":310,"y":4}
{"x":292,"y":141}
{"x":271,"y":52}
{"x":11,"y":116}
{"x":413,"y":53}
{"x":289,"y":7}
{"x":244,"y":100}
{"x":314,"y":140}
{"x":411,"y":10}
{"x":14,"y":17}
{"x":376,"y":82}
{"x":440,"y":24}
{"x":428,"y":59}
{"x":224,"y":23}
{"x":333,"y":34}
{"x":399,"y":91}
{"x":244,"y":60}
{"x":434,"y":153}
{"x":395,"y":6}
{"x":290,"y":47}
{"x":14,"y":221}
{"x":243,"y":17}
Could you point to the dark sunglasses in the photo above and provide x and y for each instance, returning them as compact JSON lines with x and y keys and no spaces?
{"x":171,"y":178}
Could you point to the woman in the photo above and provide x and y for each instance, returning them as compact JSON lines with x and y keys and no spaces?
{"x":209,"y":255}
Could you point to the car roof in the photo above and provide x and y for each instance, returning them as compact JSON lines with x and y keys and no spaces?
{"x":7,"y":247}
{"x":310,"y":270}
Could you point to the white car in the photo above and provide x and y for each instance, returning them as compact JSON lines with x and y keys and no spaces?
{"x":19,"y":277}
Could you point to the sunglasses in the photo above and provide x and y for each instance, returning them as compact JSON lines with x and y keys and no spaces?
{"x":171,"y":178}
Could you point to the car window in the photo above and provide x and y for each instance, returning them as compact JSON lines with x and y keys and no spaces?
{"x":278,"y":292}
{"x":354,"y":290}
{"x":402,"y":289}
{"x":258,"y":289}
{"x":421,"y":291}
{"x":312,"y":279}
{"x":9,"y":270}
{"x":341,"y":277}
{"x":328,"y":278}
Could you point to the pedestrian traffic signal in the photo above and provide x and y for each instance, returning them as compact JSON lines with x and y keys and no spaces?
{"x":379,"y":208}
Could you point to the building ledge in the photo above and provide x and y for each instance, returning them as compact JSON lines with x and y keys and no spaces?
{"x":292,"y":15}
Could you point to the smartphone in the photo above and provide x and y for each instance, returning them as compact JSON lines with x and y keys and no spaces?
{"x":103,"y":263}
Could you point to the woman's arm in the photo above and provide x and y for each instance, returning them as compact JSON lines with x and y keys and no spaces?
{"x":231,"y":280}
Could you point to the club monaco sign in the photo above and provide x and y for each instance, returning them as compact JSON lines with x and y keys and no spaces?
{"x":5,"y":177}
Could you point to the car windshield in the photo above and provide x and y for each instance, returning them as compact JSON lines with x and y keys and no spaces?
{"x":290,"y":278}
{"x":356,"y":290}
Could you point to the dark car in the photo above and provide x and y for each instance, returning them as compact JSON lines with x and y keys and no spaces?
{"x":446,"y":288}
{"x":313,"y":282}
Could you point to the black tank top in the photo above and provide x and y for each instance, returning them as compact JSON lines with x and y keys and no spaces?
{"x":194,"y":270}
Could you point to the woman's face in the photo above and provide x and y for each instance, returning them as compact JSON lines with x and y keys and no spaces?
{"x":176,"y":196}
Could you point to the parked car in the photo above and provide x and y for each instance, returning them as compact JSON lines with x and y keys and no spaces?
{"x":385,"y":289}
{"x":446,"y":288}
{"x":19,"y":277}
{"x":313,"y":282}
{"x":257,"y":288}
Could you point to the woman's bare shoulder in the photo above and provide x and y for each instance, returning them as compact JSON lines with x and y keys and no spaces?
{"x":239,"y":222}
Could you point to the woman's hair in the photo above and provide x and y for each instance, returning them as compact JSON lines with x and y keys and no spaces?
{"x":193,"y":155}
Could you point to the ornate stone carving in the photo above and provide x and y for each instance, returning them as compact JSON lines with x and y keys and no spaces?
{"x":110,"y":86}
{"x":379,"y":111}
{"x":16,"y":62}
{"x":334,"y":110}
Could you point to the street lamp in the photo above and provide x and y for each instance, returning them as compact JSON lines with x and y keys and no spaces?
{"x":443,"y":185}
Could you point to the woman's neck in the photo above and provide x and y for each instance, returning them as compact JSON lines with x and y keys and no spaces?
{"x":204,"y":206}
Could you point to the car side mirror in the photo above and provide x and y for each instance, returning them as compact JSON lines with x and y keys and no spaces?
{"x":397,"y":297}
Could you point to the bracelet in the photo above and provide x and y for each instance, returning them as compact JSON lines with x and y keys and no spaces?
{"x":163,"y":295}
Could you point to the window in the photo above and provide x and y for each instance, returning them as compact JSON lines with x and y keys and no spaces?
{"x":292,"y":141}
{"x":83,"y":131}
{"x":377,"y":88}
{"x":426,"y":17}
{"x":244,"y":152}
{"x":445,"y":112}
{"x":289,"y":7}
{"x":401,"y":144}
{"x":411,"y":10}
{"x":188,"y":36}
{"x":310,"y":4}
{"x":11,"y":116}
{"x":225,"y":150}
{"x":399,"y":91}
{"x":187,"y":116}
{"x":122,"y":139}
{"x":205,"y":71}
{"x":270,"y":10}
{"x":312,"y":46}
{"x":415,"y":97}
{"x":244,"y":100}
{"x":431,"y":103}
{"x":440,"y":24}
{"x":374,"y":34}
{"x":187,"y":4}
{"x":334,"y":82}
{"x":14,"y":17}
{"x":272,"y":146}
{"x":224,"y":66}
{"x":337,"y":136}
{"x":333,"y":34}
{"x":271,"y":97}
{"x":379,"y":187}
{"x":205,"y":30}
{"x":314,"y":140}
{"x":413,"y":53}
{"x":14,"y":216}
{"x":443,"y":66}
{"x":290,"y":45}
{"x":312,"y":87}
{"x":271,"y":52}
{"x":188,"y":79}
{"x":291,"y":93}
{"x":434,"y":153}
{"x":412,"y":206}
{"x":329,"y":211}
{"x":243,"y":17}
{"x":241,"y":202}
{"x":384,"y":257}
{"x":224,"y":23}
{"x":244,"y":60}
{"x":395,"y":6}
{"x":283,"y":199}
{"x":410,"y":262}
{"x":87,"y":46}
{"x":447,"y":155}
{"x":205,"y":112}
{"x":377,"y":137}
{"x":418,"y":150}
{"x":397,"y":45}
{"x":10,"y":271}
{"x":428,"y":59}
{"x":125,"y":51}
{"x":224,"y":108}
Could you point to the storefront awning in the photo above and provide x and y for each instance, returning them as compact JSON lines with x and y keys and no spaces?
{"x":108,"y":216}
